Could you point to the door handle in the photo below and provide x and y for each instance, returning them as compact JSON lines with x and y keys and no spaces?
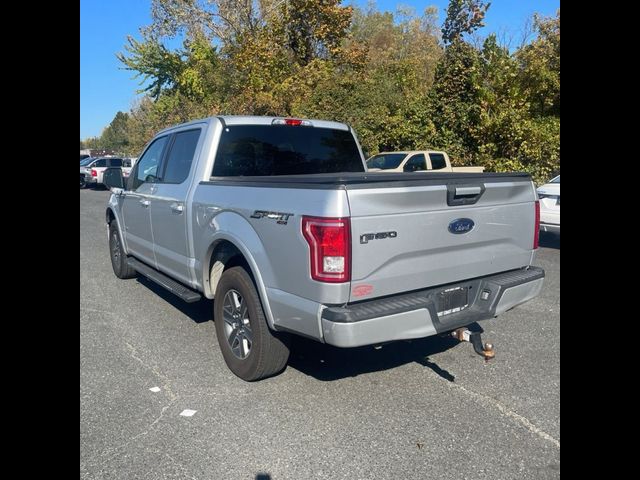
{"x":177,"y":208}
{"x":145,"y":203}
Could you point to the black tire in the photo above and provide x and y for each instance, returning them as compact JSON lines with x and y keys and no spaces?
{"x":267,"y":352}
{"x":83,"y":182}
{"x":118,"y":260}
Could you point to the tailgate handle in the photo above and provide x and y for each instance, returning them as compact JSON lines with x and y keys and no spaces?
{"x":464,"y":194}
{"x":467,"y":191}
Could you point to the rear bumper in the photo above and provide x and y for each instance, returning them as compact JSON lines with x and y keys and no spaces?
{"x":89,"y":179}
{"x":415,"y":315}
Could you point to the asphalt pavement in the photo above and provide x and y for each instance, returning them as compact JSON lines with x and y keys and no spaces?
{"x":426,"y":409}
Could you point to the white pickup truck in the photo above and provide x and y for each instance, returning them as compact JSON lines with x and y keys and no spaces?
{"x":416,"y":161}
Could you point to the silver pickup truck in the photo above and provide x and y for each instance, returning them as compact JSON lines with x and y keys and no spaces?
{"x":278,"y":221}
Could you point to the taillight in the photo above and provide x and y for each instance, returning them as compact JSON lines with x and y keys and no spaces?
{"x":329,"y":242}
{"x":94,"y":173}
{"x":536,"y":232}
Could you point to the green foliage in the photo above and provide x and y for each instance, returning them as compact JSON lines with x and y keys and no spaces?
{"x":540,"y":67}
{"x":154,"y":62}
{"x":388,"y":75}
{"x":116,"y":136}
{"x":498,"y":109}
{"x":463,"y":16}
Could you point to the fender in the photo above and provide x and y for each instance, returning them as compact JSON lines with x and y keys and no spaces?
{"x":116,"y":218}
{"x":232,"y":227}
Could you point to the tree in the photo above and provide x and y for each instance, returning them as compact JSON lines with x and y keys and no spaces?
{"x":387,"y":75}
{"x":540,"y":67}
{"x":116,"y":136}
{"x":463,"y":17}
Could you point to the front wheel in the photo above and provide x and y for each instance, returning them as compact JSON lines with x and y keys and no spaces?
{"x":118,"y":259}
{"x":250,"y":349}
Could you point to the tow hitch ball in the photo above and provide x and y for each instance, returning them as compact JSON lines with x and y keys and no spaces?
{"x":465,"y":335}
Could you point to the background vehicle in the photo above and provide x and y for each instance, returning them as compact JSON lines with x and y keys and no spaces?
{"x":278,"y":220}
{"x":91,"y":170}
{"x":549,"y":195}
{"x":127,"y":165}
{"x":84,"y":171}
{"x":415,"y":161}
{"x":83,"y":156}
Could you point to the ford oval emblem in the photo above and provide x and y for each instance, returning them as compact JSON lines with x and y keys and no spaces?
{"x":461,"y":225}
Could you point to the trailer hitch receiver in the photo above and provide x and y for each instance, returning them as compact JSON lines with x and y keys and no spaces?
{"x":484,"y":350}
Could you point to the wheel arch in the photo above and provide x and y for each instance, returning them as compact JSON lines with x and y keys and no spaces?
{"x":110,"y":217}
{"x":225,"y":252}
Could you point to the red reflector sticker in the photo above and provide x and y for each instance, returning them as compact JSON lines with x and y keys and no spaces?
{"x":362,"y":290}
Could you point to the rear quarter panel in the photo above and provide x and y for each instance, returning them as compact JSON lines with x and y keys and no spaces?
{"x":279,"y":251}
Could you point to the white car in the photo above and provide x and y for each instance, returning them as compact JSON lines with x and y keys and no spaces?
{"x":91,"y":169}
{"x":549,"y":195}
{"x":127,"y":166}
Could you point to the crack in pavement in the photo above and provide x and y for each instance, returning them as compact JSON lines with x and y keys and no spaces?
{"x":86,"y":309}
{"x":488,"y":401}
{"x":109,"y":453}
{"x":133,"y":353}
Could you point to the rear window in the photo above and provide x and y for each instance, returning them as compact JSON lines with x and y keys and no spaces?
{"x":264,"y":150}
{"x":386,"y":161}
{"x":115,"y":162}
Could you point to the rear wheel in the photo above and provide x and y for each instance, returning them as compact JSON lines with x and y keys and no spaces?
{"x":118,"y":259}
{"x":250,"y":349}
{"x":83,"y":182}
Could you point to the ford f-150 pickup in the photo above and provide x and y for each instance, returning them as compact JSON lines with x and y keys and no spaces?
{"x":277,"y":220}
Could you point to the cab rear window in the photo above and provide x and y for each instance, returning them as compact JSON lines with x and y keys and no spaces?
{"x":265,"y":150}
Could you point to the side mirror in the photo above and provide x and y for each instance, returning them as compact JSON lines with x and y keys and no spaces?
{"x":112,"y":177}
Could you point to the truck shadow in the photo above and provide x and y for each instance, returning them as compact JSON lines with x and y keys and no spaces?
{"x":327,"y":363}
{"x":200,"y":311}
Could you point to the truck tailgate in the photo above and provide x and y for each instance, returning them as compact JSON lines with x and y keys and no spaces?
{"x":403,"y":240}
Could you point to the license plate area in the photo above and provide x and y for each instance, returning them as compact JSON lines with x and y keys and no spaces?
{"x":452,"y":300}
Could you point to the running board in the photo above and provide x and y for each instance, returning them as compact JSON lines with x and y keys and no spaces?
{"x":161,"y":279}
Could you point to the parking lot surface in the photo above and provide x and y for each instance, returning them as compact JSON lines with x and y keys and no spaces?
{"x":425,"y":409}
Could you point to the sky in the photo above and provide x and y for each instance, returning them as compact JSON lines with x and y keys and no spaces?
{"x":105,"y":88}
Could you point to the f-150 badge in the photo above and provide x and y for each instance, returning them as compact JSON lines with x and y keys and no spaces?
{"x":365,"y":237}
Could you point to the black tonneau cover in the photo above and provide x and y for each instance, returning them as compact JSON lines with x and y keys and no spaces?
{"x":366,"y":179}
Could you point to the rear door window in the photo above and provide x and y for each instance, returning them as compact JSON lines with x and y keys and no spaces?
{"x":115,"y":162}
{"x":180,"y":157}
{"x":100,"y":163}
